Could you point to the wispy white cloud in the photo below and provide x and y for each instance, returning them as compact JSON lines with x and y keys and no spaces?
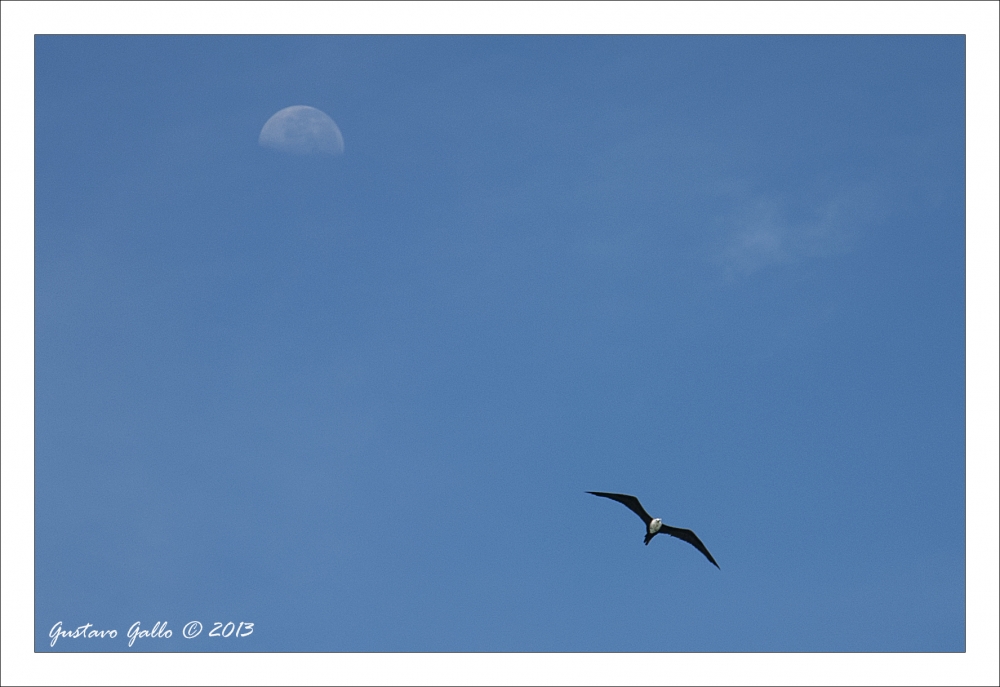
{"x":762,"y":232}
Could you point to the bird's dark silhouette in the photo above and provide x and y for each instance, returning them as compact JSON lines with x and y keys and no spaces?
{"x":655,"y":526}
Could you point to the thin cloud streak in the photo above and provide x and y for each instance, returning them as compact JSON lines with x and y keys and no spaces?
{"x":763,"y":233}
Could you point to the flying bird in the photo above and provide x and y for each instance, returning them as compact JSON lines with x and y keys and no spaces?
{"x":655,"y":526}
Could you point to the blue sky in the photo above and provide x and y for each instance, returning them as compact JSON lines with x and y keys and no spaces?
{"x":368,"y":393}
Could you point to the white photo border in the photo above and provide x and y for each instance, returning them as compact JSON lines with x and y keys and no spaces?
{"x":979,"y":21}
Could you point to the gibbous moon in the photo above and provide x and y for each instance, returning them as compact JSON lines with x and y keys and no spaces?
{"x":302,"y":130}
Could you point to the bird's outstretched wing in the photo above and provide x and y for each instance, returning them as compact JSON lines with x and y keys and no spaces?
{"x":691,"y":538}
{"x":631,"y":502}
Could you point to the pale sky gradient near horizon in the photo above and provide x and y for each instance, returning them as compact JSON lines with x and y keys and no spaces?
{"x":368,"y":393}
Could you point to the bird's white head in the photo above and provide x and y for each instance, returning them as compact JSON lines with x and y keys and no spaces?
{"x":654,"y":525}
